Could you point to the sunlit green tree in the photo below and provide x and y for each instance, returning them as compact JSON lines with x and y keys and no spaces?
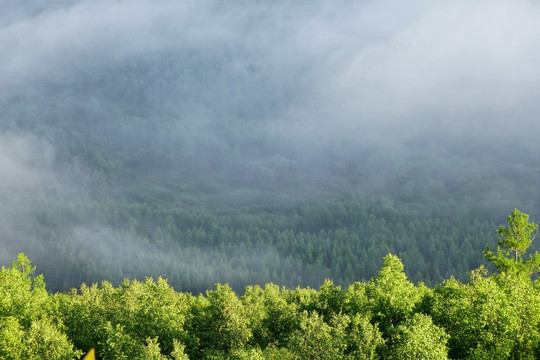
{"x":28,"y":329}
{"x":513,"y":242}
{"x":418,"y":338}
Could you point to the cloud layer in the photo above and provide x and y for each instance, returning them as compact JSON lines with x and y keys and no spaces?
{"x":361,"y":62}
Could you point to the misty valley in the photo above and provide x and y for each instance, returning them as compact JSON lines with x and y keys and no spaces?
{"x":252,"y":153}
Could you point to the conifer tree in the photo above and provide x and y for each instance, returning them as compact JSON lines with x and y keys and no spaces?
{"x":513,"y":242}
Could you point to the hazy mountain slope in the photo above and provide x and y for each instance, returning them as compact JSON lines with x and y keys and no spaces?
{"x":127,"y":128}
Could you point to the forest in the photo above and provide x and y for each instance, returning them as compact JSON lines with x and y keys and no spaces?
{"x":282,"y":143}
{"x":490,"y":316}
{"x":156,"y":145}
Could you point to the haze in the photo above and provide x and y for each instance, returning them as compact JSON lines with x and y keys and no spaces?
{"x":263,"y":100}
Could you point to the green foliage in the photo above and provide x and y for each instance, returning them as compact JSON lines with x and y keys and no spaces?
{"x":280,"y":319}
{"x":392,"y":297}
{"x":221,"y":321}
{"x":487,"y":318}
{"x":514,"y":241}
{"x":12,"y":342}
{"x":364,"y":339}
{"x":271,"y":353}
{"x":388,"y":317}
{"x":28,"y":330}
{"x":21,"y":294}
{"x":124,"y":322}
{"x":331,"y":299}
{"x":316,"y":339}
{"x":418,"y":338}
{"x":524,"y":297}
{"x":178,"y":352}
{"x":152,"y":351}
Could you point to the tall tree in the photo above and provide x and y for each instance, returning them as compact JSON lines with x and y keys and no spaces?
{"x":513,"y":242}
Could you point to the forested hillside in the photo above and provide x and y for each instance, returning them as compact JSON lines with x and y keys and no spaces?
{"x":491,"y":316}
{"x":253,"y":143}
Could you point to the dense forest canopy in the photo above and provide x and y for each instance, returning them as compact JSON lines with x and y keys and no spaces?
{"x":262,"y":142}
{"x":492,"y":316}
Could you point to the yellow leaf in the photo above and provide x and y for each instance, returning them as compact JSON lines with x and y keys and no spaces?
{"x":91,"y":355}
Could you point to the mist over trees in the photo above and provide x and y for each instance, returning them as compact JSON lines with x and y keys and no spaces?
{"x":252,"y":142}
{"x":491,"y":316}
